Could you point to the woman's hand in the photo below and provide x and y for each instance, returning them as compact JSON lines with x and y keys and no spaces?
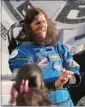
{"x":63,"y":78}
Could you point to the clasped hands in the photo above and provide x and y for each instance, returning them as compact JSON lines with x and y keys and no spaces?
{"x":63,"y":78}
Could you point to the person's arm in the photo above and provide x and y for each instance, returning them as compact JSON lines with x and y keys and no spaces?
{"x":70,"y":65}
{"x":17,"y":58}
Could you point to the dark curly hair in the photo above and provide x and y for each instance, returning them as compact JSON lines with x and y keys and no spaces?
{"x":27,"y":35}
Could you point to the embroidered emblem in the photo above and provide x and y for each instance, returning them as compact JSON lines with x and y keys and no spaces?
{"x":42,"y":62}
{"x":14,"y":54}
{"x":57,"y":66}
{"x":53,"y":57}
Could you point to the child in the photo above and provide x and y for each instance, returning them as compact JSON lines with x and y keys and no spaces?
{"x":29,"y":82}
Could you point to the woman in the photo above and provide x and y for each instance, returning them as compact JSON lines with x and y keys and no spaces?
{"x":40,"y":45}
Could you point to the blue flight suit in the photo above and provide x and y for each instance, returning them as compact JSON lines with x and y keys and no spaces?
{"x":52,"y":59}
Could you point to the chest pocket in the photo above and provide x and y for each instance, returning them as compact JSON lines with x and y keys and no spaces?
{"x":55,"y":62}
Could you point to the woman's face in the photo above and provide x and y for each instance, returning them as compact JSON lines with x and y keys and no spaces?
{"x":39,"y":26}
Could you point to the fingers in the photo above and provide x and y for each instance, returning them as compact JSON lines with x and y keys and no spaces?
{"x":64,"y":70}
{"x":65,"y":75}
{"x":69,"y":76}
{"x":65,"y":79}
{"x":70,"y":72}
{"x":67,"y":72}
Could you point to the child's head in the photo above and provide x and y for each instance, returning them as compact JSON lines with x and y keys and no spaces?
{"x":29,"y":76}
{"x":30,"y":72}
{"x":34,"y":97}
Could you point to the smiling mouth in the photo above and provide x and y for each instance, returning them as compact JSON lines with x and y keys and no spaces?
{"x":41,"y":30}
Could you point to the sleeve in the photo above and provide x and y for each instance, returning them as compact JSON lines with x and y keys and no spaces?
{"x":17,"y":58}
{"x":70,"y":64}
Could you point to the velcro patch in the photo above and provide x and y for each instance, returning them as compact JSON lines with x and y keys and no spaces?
{"x":42,"y":62}
{"x":53,"y":57}
{"x":57,"y":66}
{"x":14,"y":54}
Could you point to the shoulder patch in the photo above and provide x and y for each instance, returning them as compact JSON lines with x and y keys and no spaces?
{"x":14,"y":54}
